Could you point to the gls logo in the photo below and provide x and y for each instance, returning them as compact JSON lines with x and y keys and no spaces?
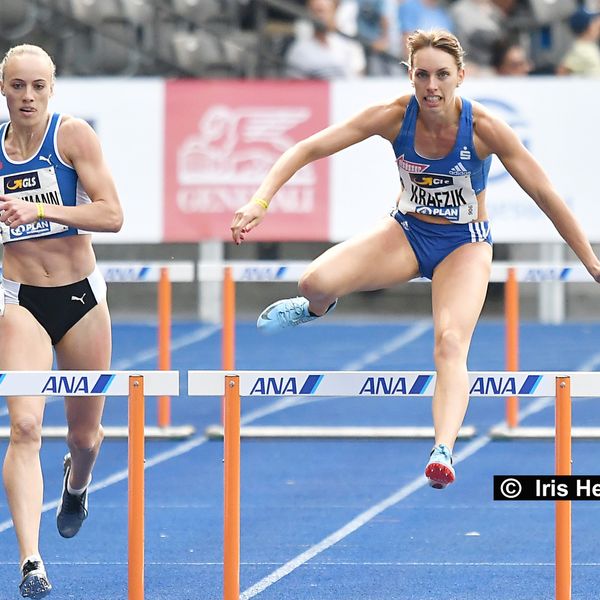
{"x":21,"y":182}
{"x":431,"y":181}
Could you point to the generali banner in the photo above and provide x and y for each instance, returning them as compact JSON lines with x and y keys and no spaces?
{"x":221,"y":138}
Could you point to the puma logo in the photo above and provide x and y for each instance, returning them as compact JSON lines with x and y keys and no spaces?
{"x":79,"y":299}
{"x":46,"y":159}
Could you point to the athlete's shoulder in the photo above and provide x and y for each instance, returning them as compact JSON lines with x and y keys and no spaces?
{"x":401,"y":103}
{"x":389,"y":115}
{"x":491,"y":131}
{"x":482,"y":113}
{"x":70,"y":125}
{"x":76,"y":138}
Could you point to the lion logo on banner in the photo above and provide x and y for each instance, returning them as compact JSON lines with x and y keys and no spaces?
{"x":238,"y":146}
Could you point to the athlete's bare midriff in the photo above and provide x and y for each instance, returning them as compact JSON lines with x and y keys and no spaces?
{"x":49,"y":262}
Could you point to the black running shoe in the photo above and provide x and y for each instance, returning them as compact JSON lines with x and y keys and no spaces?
{"x":72,"y":510}
{"x":34,"y":582}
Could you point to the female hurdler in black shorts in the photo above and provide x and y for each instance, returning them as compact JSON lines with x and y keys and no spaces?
{"x":55,"y":189}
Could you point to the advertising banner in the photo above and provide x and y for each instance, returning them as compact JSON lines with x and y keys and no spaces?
{"x":127,"y":115}
{"x":550,"y":115}
{"x":221,"y":138}
{"x":186,"y":154}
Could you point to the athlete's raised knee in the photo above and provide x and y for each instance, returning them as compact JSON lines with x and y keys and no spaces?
{"x":316,"y":288}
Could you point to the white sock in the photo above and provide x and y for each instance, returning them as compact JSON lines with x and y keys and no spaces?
{"x":75,"y":492}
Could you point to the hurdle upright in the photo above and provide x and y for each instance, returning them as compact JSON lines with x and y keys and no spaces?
{"x":233,"y":385}
{"x":133,"y":384}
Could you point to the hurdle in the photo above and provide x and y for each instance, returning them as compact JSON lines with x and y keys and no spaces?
{"x":513,"y":274}
{"x":133,"y":384}
{"x":236,"y":384}
{"x":163,"y":274}
{"x":509,"y":273}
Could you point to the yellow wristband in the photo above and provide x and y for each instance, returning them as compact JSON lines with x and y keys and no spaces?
{"x":261,"y":202}
{"x":40,"y":211}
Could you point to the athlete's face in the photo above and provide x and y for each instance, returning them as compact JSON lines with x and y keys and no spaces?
{"x":435,"y":77}
{"x":27,"y":86}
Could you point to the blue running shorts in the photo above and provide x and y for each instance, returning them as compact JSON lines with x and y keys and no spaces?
{"x":432,"y":242}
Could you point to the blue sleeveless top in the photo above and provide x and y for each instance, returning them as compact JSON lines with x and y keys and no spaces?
{"x":447,"y":186}
{"x":45,"y":178}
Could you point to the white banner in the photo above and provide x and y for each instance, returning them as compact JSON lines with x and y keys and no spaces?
{"x":552,"y":116}
{"x":128,"y":116}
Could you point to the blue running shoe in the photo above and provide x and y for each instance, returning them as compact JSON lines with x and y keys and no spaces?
{"x":286,"y":313}
{"x":439,"y":469}
{"x":34,"y":581}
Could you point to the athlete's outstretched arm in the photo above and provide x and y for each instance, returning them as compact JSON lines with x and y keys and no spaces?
{"x":528,"y":173}
{"x":382,"y":120}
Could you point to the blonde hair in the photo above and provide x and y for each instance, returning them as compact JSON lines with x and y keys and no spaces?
{"x":22,"y":49}
{"x":435,"y":38}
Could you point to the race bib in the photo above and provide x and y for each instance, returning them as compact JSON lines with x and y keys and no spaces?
{"x":39,"y":185}
{"x":448,"y":196}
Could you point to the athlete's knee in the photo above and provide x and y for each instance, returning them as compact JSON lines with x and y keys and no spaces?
{"x":314,"y":286}
{"x":26,"y":430}
{"x":85,"y":440}
{"x":449,"y":346}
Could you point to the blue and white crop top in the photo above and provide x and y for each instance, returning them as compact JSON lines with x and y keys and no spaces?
{"x":46,"y":178}
{"x":445,"y":187}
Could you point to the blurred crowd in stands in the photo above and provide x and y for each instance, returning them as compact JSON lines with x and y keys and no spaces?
{"x":302,"y":39}
{"x":500,"y":37}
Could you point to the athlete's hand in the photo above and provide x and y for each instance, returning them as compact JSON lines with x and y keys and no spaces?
{"x":15,"y":212}
{"x":246,"y":219}
{"x":595,"y":272}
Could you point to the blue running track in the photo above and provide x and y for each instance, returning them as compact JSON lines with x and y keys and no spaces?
{"x":325,"y":520}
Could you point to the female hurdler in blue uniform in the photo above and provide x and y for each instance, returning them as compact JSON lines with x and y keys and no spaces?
{"x":439,"y":229}
{"x":55,"y":187}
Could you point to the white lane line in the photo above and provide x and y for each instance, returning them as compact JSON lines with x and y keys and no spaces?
{"x":368,"y":515}
{"x":356,"y":523}
{"x":414,"y":332}
{"x":189,"y":445}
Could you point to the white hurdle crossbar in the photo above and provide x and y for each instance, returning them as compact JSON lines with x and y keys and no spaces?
{"x":88,"y":383}
{"x":291,"y":271}
{"x":133,"y":384}
{"x":235,"y":384}
{"x":136,"y":272}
